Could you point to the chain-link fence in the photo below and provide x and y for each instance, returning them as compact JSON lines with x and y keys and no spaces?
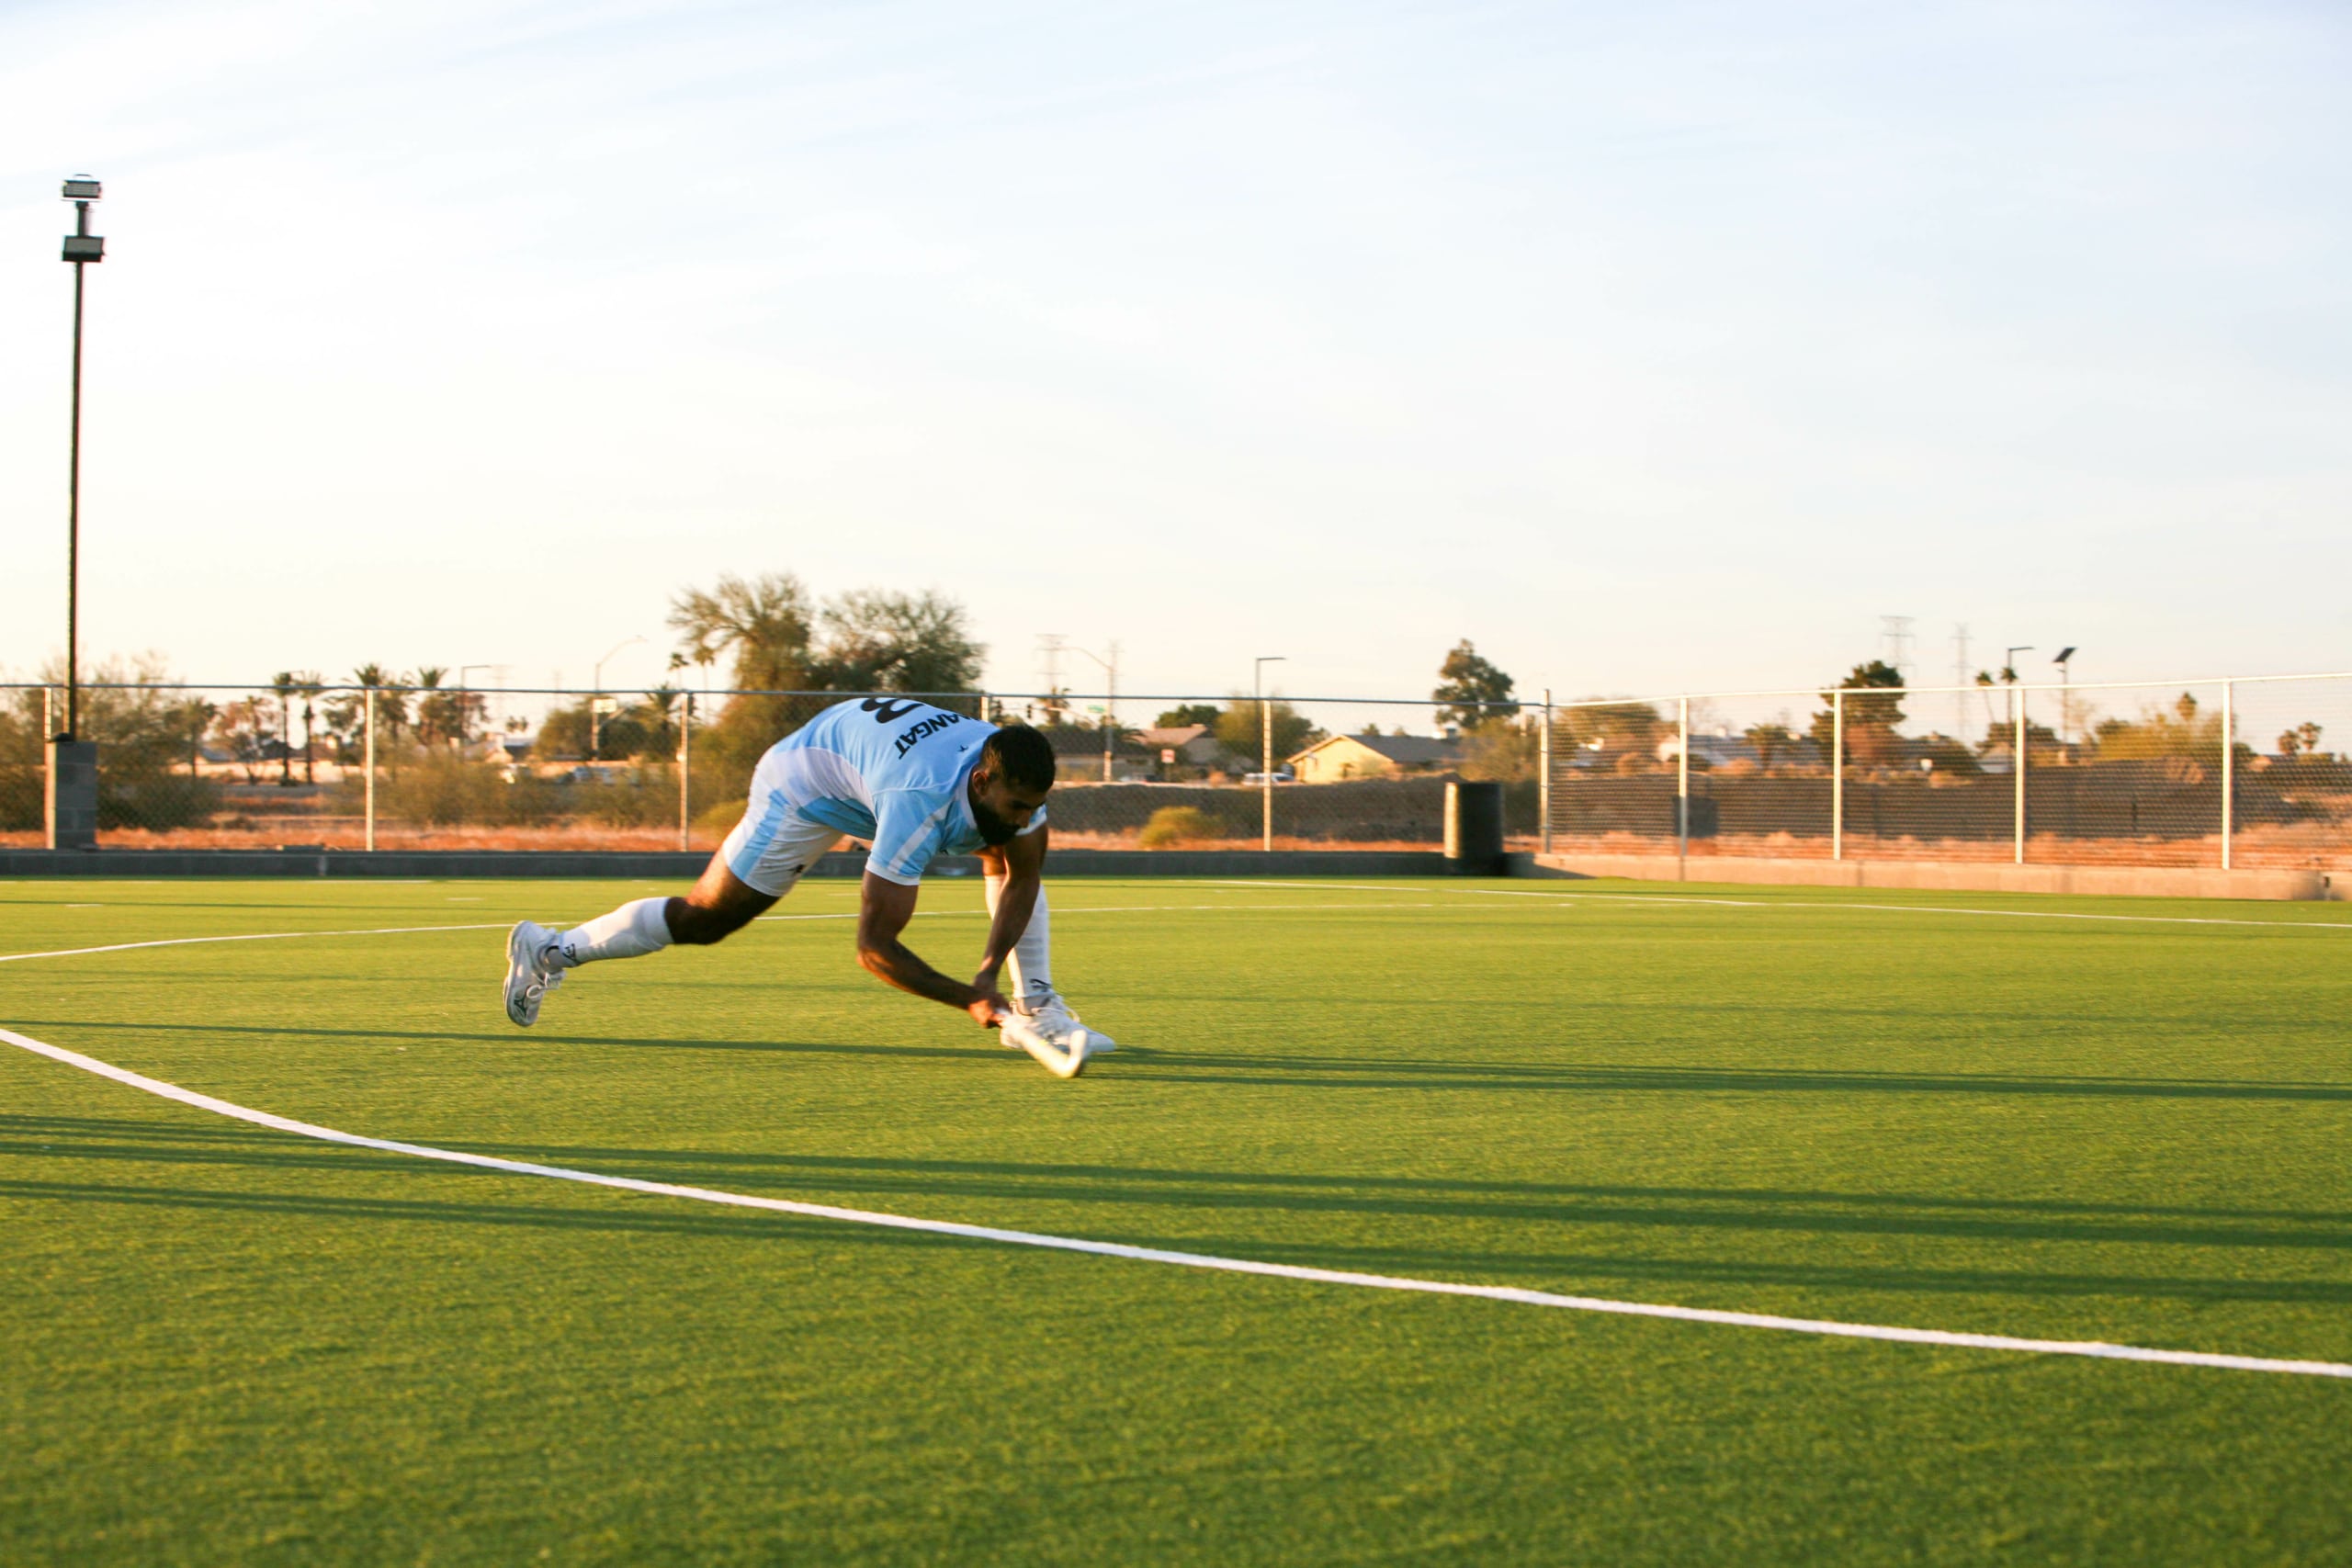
{"x":343,"y":767}
{"x":2244,"y":773}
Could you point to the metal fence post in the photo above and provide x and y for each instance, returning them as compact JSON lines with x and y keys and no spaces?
{"x":685,"y":769}
{"x":1543,"y":778}
{"x":1682,"y":789}
{"x":1266,"y":728}
{"x":369,"y":763}
{"x":2228,"y":767}
{"x":2018,"y":769}
{"x":1838,"y":775}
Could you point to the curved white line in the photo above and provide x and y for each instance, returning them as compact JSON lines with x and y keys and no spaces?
{"x":1191,"y":1260}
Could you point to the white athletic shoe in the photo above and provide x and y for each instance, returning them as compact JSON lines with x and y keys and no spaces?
{"x":530,"y":974}
{"x":1019,"y":1036}
{"x":1050,"y":1016}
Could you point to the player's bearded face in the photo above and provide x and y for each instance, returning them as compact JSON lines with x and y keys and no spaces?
{"x":1000,"y":811}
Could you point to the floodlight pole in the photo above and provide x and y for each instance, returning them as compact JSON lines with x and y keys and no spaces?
{"x":1110,"y":704}
{"x":1266,"y":738}
{"x":81,"y":247}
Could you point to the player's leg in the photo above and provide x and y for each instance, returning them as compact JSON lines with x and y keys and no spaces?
{"x":1029,"y":971}
{"x":719,"y":905}
{"x":760,"y":861}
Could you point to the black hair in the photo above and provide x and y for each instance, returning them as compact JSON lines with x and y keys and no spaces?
{"x":1020,"y":754}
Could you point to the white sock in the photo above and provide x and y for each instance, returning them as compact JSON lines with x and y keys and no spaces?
{"x":1030,"y":971}
{"x":630,"y":931}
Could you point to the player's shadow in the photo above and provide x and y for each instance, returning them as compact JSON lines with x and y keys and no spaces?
{"x":1158,"y":1064}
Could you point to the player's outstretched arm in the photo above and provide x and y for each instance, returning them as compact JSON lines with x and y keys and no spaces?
{"x":884,"y":910}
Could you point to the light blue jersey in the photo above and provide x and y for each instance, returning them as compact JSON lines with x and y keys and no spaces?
{"x":890,"y":771}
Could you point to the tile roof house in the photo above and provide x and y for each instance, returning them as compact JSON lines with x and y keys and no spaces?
{"x":1374,"y":756}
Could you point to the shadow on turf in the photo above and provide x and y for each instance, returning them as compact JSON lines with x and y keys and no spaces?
{"x":1147,"y":1064}
{"x":935,"y":1184}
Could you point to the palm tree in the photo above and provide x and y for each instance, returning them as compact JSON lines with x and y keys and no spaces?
{"x":283,"y":683}
{"x":309,"y":684}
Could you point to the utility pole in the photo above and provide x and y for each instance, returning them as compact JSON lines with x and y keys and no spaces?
{"x":73,"y":784}
{"x":1110,"y":702}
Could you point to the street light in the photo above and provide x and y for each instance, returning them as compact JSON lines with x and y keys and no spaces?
{"x":70,"y":806}
{"x":81,"y":247}
{"x":2065,"y":698}
{"x":596,"y":702}
{"x":1266,"y":737}
{"x":1111,"y":702}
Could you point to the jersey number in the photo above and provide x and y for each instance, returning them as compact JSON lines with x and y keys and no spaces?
{"x":887,"y":712}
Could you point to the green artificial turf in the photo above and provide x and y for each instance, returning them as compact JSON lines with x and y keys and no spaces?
{"x":221,"y":1344}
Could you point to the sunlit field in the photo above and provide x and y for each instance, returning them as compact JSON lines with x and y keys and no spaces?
{"x":2122,"y":1121}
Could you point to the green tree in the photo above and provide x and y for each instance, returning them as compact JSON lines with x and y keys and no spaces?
{"x":1187,"y":714}
{"x":781,"y":643}
{"x":140,"y":720}
{"x":1473,"y":690}
{"x":1769,"y":740}
{"x":1604,"y":727}
{"x":764,"y":622}
{"x":874,"y":640}
{"x":2184,"y":731}
{"x":1871,"y":718}
{"x":1241,"y":729}
{"x":1505,"y":748}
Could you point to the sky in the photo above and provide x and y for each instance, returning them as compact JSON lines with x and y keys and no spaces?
{"x":1652,"y":347}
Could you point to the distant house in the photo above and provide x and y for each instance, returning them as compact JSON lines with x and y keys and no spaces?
{"x":1193,"y":745}
{"x":1078,"y":753}
{"x":1375,"y":757}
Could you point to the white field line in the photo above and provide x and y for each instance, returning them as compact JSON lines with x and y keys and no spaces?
{"x":1814,"y":904}
{"x":244,"y":936}
{"x":2093,"y":1348}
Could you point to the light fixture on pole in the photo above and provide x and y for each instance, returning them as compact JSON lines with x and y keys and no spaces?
{"x":2010,"y":681}
{"x":1266,"y":738}
{"x":596,"y":701}
{"x":81,"y":247}
{"x":2065,"y":700}
{"x":1111,"y":702}
{"x":71,"y":807}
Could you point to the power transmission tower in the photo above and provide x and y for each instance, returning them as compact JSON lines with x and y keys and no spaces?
{"x":1896,"y":632}
{"x":1049,"y":665}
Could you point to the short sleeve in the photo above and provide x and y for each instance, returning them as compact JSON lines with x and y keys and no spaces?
{"x":906,"y":834}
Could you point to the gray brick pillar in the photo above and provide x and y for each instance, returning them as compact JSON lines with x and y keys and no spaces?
{"x":72,"y":794}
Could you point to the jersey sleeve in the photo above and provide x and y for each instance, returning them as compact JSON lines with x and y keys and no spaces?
{"x":908,"y":825}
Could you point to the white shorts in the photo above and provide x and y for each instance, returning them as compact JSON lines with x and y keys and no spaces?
{"x":774,"y":844}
